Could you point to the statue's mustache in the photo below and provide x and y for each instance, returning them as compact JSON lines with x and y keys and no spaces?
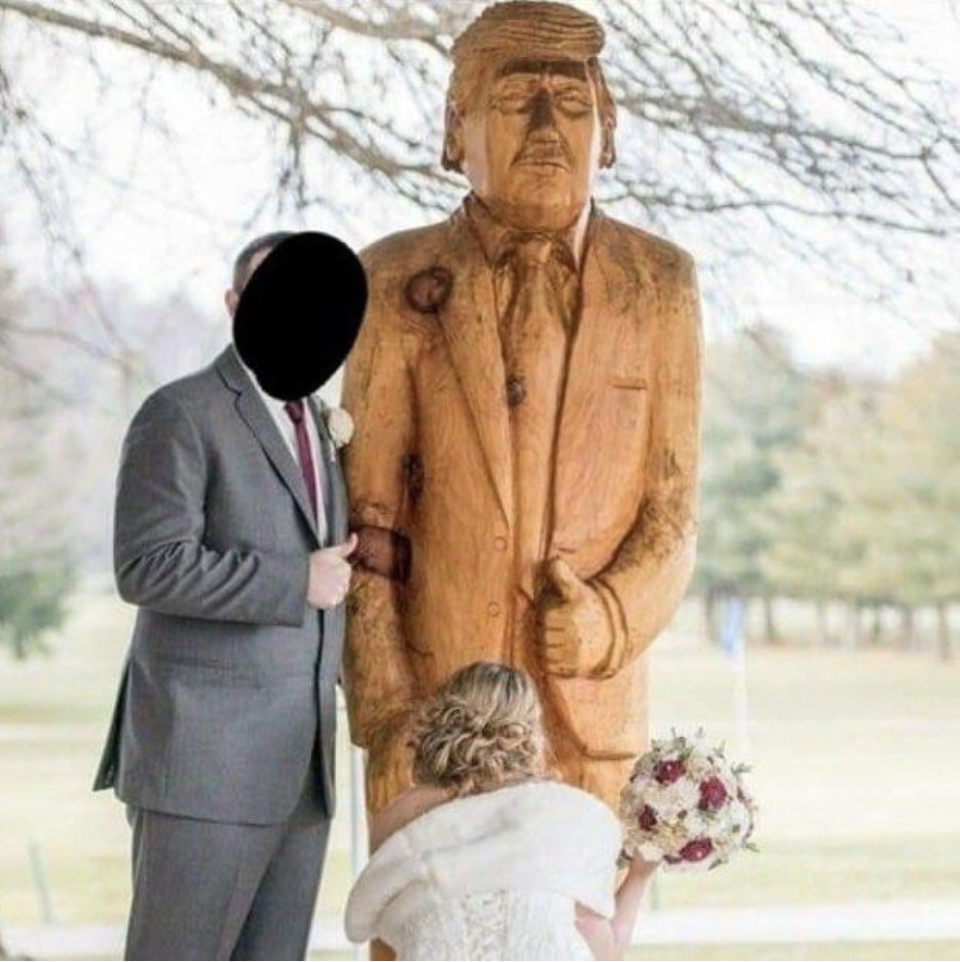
{"x":540,"y":149}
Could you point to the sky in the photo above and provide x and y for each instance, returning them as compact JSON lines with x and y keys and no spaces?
{"x":162,"y":215}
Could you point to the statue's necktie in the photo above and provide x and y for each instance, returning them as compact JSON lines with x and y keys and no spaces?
{"x":296,"y":411}
{"x":535,"y":308}
{"x":534,"y":336}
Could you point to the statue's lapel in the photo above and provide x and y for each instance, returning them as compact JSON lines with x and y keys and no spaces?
{"x":616,"y":296}
{"x":469,"y":322}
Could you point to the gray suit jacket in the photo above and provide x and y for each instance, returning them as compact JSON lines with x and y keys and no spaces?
{"x":230,"y":684}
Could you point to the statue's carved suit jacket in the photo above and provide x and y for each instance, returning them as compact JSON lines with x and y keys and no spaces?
{"x":431,"y":459}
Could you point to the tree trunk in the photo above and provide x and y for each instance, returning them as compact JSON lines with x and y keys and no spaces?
{"x":823,"y":629}
{"x":770,"y":635}
{"x":876,"y":627}
{"x":944,"y":647}
{"x":907,"y":634}
{"x":857,"y":634}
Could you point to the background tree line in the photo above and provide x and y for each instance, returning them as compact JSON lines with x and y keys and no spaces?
{"x":832,"y":489}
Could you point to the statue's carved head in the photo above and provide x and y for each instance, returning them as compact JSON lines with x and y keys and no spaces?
{"x":529,"y":117}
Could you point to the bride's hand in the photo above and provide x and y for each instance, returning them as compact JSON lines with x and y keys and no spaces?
{"x":639,"y":868}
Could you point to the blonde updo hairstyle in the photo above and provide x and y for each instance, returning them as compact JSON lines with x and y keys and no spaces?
{"x":482,"y":729}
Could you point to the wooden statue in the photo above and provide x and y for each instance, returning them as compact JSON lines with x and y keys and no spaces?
{"x":526,"y":396}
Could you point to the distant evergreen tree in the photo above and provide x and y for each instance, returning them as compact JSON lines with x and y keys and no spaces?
{"x":914,"y":539}
{"x":753,"y":408}
{"x":35,"y":570}
{"x":811,"y":551}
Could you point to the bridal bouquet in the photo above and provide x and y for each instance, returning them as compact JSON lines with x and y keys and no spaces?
{"x":686,"y":804}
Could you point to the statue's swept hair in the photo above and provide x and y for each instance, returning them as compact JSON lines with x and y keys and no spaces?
{"x":528,"y":29}
{"x":480,"y":730}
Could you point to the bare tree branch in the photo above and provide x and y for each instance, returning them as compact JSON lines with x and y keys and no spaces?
{"x":759,"y":123}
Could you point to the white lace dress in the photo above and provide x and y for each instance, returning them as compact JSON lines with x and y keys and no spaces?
{"x":493,"y":876}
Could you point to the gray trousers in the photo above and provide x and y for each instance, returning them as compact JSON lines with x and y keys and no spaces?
{"x":217,"y":890}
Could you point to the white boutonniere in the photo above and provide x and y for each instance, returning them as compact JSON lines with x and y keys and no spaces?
{"x":340,"y":426}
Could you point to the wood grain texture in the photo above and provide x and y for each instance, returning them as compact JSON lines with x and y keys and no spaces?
{"x":441,"y":430}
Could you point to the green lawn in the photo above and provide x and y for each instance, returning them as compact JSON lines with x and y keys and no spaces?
{"x":855,"y":757}
{"x":848,"y":749}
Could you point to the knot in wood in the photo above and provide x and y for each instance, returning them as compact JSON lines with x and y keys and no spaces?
{"x":428,"y":291}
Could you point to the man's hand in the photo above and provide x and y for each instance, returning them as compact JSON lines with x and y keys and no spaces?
{"x":575,"y":630}
{"x":330,"y":574}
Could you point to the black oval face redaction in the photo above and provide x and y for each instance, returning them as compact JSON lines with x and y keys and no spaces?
{"x":300,"y":313}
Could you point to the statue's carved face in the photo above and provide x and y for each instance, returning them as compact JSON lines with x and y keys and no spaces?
{"x":531,"y":142}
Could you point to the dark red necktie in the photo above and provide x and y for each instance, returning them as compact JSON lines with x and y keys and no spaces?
{"x":296,"y":412}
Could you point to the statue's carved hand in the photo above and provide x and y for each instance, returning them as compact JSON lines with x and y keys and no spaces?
{"x":575,"y":631}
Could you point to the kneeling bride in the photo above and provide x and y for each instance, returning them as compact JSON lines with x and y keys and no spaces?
{"x":487,"y":858}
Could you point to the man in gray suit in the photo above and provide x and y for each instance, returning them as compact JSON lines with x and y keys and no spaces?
{"x":230,"y":525}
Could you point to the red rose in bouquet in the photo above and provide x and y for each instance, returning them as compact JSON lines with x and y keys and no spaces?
{"x":668,"y":771}
{"x":712,"y":794}
{"x":647,"y":819}
{"x":696,"y":850}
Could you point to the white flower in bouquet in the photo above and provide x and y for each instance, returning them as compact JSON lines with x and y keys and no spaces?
{"x":686,"y":804}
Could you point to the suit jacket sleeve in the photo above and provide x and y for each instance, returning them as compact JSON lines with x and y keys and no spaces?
{"x":378,"y":392}
{"x":160,"y":559}
{"x":647,"y":579}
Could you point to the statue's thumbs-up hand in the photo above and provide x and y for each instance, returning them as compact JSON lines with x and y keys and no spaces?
{"x":565,"y":581}
{"x":575,"y":632}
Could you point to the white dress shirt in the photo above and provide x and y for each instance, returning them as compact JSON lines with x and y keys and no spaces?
{"x":289,"y":434}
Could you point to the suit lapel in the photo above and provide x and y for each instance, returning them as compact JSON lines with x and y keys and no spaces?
{"x":469,"y":322}
{"x":614,"y":295}
{"x":253,"y":412}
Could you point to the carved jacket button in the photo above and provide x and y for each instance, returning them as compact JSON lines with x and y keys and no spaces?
{"x":493,"y":609}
